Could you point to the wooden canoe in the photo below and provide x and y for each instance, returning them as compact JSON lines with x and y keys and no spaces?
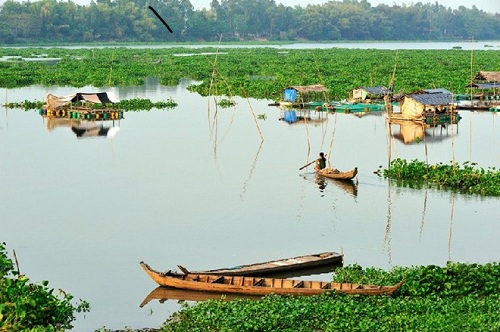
{"x":337,"y":175}
{"x":260,"y":286}
{"x":278,"y":266}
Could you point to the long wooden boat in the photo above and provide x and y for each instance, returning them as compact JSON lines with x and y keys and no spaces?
{"x":278,"y":266}
{"x":260,"y":286}
{"x":336,"y":174}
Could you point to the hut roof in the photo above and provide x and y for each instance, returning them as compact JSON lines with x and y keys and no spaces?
{"x":488,"y":76}
{"x":484,"y":85}
{"x":309,"y":88}
{"x":432,"y":99}
{"x":376,"y":90}
{"x":438,"y":90}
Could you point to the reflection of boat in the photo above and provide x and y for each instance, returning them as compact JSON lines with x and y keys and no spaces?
{"x":260,"y":286}
{"x":338,"y":175}
{"x":347,"y":185}
{"x":278,"y":266}
{"x":163,"y":293}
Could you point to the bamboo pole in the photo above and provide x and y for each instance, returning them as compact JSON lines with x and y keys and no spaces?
{"x":451,"y":225}
{"x":255,"y":120}
{"x":426,"y":151}
{"x":212,"y":78}
{"x":111,"y":68}
{"x":389,"y":141}
{"x":331,"y":141}
{"x":308,"y":139}
{"x":471,"y":95}
{"x":387,"y":237}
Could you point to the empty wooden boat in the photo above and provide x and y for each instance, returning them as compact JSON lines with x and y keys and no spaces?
{"x":260,"y":286}
{"x":278,"y":266}
{"x":338,"y":175}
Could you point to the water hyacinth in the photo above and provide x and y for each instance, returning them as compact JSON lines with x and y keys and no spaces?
{"x":466,"y":178}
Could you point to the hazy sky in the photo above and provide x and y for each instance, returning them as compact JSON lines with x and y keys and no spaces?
{"x":491,"y":6}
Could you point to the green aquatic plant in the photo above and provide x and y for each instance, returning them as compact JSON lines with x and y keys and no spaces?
{"x":467,"y":178}
{"x":28,"y":306}
{"x":135,"y":104}
{"x":225,"y":103}
{"x":340,"y":70}
{"x":455,"y":297}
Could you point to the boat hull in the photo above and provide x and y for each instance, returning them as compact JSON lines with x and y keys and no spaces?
{"x":260,"y":286}
{"x":339,"y":175}
{"x":281,"y":266}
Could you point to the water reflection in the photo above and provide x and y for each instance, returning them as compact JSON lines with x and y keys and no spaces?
{"x":182,"y":214}
{"x":416,"y":131}
{"x":163,"y":294}
{"x":80,"y":124}
{"x":250,"y":173}
{"x":347,"y":186}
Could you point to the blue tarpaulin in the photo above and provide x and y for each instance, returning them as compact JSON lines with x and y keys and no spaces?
{"x":290,"y":94}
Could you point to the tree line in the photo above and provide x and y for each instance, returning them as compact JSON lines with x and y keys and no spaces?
{"x":236,"y":20}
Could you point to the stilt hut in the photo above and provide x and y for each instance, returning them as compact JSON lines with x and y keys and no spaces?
{"x":367,"y":94}
{"x":302,"y":95}
{"x":484,"y":92}
{"x":429,"y":105}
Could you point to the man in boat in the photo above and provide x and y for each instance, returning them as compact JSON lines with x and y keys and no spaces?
{"x":320,"y":162}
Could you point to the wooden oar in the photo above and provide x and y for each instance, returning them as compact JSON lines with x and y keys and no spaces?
{"x":312,"y":162}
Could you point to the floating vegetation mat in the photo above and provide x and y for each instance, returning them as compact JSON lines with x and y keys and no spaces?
{"x":466,"y":178}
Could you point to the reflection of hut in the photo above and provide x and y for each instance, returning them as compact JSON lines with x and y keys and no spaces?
{"x":410,"y":131}
{"x":425,"y":105}
{"x":82,"y":128}
{"x":93,"y":129}
{"x":301,"y":116}
{"x":415,"y":131}
{"x":370,"y":94}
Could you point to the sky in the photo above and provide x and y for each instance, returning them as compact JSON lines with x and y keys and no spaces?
{"x":490,"y":6}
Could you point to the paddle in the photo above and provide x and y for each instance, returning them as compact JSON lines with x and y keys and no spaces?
{"x":312,"y":162}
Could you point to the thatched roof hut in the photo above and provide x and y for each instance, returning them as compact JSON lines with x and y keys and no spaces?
{"x":292,"y":92}
{"x":415,"y":105}
{"x":488,"y":77}
{"x":370,"y":92}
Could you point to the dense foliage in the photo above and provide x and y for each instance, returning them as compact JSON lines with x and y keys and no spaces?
{"x":249,"y":72}
{"x":451,"y":298}
{"x":131,"y":20}
{"x":465,"y":179}
{"x":134,"y":104}
{"x":26,"y":306}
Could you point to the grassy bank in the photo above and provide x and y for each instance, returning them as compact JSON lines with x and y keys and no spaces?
{"x":451,"y":298}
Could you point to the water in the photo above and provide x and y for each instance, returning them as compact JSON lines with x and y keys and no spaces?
{"x":176,"y":187}
{"x":389,"y":45}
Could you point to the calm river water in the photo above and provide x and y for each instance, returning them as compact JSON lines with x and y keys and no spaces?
{"x":200,"y":188}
